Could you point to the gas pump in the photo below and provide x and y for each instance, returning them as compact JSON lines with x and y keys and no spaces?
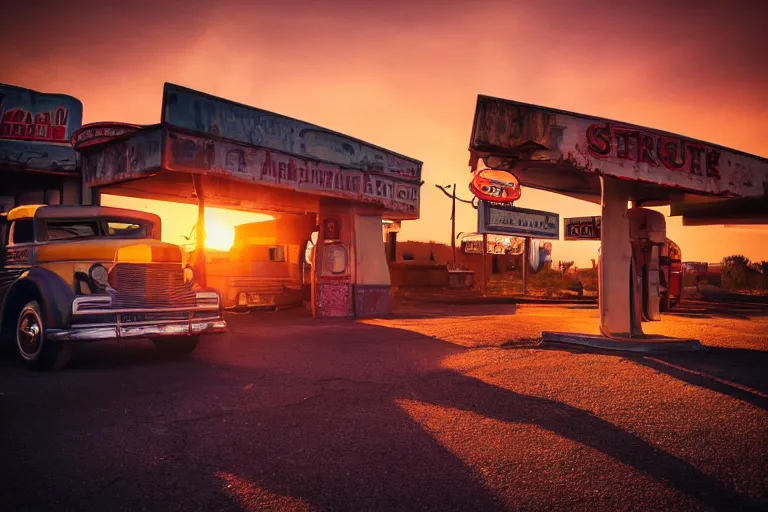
{"x":648,"y":235}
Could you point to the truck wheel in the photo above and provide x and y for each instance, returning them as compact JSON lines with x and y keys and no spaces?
{"x":177,"y":345}
{"x":35,"y":351}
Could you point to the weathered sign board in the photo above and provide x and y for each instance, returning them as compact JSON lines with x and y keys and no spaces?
{"x":509,"y":134}
{"x":127,"y":158}
{"x":513,"y":221}
{"x":582,"y":228}
{"x":193,"y":153}
{"x":476,"y":247}
{"x":216,"y":136}
{"x":35,"y":129}
{"x":497,"y":244}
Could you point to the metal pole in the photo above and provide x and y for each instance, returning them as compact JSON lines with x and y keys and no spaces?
{"x":526,"y":257}
{"x":200,"y":270}
{"x":485,"y":261}
{"x":453,"y":225}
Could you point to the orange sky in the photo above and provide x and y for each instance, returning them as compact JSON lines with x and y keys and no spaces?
{"x":404,"y":74}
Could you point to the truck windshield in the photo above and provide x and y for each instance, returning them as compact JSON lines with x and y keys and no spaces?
{"x":126,"y":229}
{"x":64,"y":230}
{"x":71,"y":229}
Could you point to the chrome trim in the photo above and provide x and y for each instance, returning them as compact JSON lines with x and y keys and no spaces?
{"x":112,"y":311}
{"x":102,"y":305}
{"x":120,"y":332}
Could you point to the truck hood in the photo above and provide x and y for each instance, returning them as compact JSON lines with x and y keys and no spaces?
{"x":144,"y":250}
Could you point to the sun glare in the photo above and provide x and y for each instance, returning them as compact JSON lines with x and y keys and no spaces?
{"x":220,"y":226}
{"x":178,"y":220}
{"x":218,"y":235}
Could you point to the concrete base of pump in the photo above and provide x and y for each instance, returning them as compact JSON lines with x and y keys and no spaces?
{"x":640,"y":344}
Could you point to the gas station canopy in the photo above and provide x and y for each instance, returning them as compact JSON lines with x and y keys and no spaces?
{"x":251,"y":158}
{"x":567,"y":153}
{"x":613,"y":163}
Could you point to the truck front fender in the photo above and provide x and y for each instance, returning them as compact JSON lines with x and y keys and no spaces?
{"x":54,"y":294}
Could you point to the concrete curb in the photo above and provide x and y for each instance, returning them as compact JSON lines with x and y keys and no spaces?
{"x":495,"y":300}
{"x":645,"y":345}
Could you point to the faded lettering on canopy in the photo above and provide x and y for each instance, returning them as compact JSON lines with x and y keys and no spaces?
{"x":528,"y":136}
{"x":191,"y":153}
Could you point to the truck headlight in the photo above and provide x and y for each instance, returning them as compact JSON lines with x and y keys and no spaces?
{"x":189,"y":275}
{"x":99,"y":275}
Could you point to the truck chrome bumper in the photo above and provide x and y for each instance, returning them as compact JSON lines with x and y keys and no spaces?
{"x":154,"y":330}
{"x":202,"y":318}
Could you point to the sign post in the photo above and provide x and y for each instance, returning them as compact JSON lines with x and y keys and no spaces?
{"x":526,"y":256}
{"x":496,"y":219}
{"x":485,"y":257}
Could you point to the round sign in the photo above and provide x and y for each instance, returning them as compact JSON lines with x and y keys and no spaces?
{"x":495,"y":186}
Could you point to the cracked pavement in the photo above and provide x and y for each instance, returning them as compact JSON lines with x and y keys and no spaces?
{"x":438,"y":408}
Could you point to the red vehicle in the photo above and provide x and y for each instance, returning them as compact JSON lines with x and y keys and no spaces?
{"x":671,"y":275}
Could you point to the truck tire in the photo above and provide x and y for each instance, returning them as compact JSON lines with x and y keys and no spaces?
{"x":35,"y":351}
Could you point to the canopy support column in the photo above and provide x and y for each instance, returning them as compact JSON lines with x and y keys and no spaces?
{"x":199,"y":256}
{"x":615,"y":301}
{"x":619,"y":294}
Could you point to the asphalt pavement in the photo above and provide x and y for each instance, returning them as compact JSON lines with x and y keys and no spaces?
{"x":441,"y":407}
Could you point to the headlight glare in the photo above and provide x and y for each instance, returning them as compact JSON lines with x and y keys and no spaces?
{"x":189,"y":274}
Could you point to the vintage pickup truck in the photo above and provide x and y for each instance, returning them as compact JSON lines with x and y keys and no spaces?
{"x":71,"y":274}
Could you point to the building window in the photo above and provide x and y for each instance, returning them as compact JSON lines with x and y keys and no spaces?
{"x":277,"y":253}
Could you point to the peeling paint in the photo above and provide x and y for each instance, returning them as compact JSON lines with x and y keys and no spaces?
{"x":510,"y":131}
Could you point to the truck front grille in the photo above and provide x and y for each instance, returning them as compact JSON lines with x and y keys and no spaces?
{"x":150,"y":285}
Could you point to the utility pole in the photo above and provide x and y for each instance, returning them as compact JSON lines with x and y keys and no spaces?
{"x":453,"y":198}
{"x":453,"y":225}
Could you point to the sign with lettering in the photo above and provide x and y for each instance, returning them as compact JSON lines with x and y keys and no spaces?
{"x":509,"y":220}
{"x":508,"y":134}
{"x":35,"y":129}
{"x":582,"y":228}
{"x":190,"y":153}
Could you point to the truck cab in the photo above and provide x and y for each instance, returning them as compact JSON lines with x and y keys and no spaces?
{"x":77,"y":274}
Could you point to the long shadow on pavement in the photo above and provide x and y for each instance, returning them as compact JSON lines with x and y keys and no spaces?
{"x":277,"y":421}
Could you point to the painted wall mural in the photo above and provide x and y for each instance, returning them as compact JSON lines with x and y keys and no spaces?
{"x":35,"y":129}
{"x":193,"y":153}
{"x":334,"y":300}
{"x":533,"y":136}
{"x":134,"y":157}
